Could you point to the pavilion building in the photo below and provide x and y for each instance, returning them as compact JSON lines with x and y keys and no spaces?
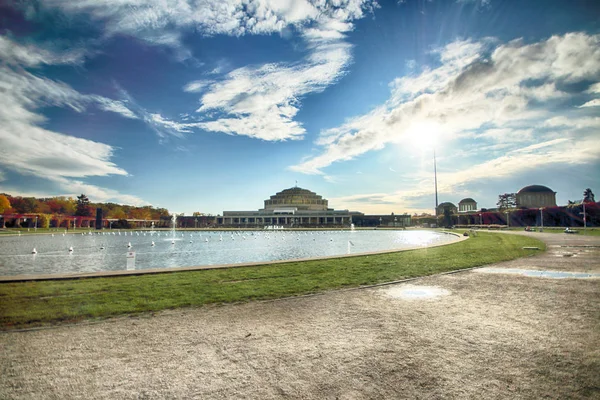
{"x":467,"y":205}
{"x":293,"y":207}
{"x":536,"y":196}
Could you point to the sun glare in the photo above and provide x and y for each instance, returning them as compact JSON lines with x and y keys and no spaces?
{"x":424,"y":136}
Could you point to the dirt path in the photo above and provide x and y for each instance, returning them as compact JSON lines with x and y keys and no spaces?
{"x":488,"y":335}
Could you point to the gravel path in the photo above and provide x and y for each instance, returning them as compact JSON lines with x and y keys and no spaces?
{"x":477,"y":335}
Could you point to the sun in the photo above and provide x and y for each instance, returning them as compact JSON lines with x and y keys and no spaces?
{"x":424,"y":135}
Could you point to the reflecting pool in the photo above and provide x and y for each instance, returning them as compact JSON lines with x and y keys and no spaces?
{"x":108,"y":250}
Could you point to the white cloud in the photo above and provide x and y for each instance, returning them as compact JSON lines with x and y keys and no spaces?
{"x":146,"y":18}
{"x":256,"y":101}
{"x":29,"y":149}
{"x":591,"y":103}
{"x":468,"y":92}
{"x":14,"y":53}
{"x":262,"y":101}
{"x":115,"y":106}
{"x":595,"y":88}
{"x":197,"y":86}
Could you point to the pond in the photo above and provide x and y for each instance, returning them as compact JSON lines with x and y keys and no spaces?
{"x":108,"y":250}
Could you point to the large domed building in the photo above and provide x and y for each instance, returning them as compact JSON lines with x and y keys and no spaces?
{"x":536,"y":196}
{"x":290,"y":207}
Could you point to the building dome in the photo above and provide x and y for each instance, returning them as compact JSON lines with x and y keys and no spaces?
{"x":467,"y":205}
{"x":445,"y":205}
{"x":301,"y":199}
{"x":535,"y":189}
{"x":535,"y":196}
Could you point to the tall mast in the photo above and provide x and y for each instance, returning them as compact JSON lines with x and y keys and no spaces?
{"x":435,"y":180}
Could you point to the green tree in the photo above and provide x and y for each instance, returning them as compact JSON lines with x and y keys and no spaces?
{"x":588,"y":196}
{"x":506,"y":201}
{"x":83,"y":206}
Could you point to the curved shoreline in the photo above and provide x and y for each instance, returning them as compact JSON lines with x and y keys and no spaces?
{"x":108,"y":274}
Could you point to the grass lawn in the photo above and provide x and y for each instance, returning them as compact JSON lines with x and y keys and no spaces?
{"x":561,"y":230}
{"x":28,"y":304}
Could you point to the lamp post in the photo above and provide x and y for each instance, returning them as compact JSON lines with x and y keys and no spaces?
{"x":196,"y":226}
{"x":36,"y":217}
{"x":541,"y":219}
{"x":380,"y":221}
{"x":480,"y":221}
{"x":395,"y":221}
{"x":584,"y":219}
{"x":507,"y":220}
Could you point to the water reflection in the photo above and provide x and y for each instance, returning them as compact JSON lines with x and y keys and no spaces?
{"x":108,"y":251}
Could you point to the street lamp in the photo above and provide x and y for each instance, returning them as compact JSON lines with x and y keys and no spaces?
{"x":541,"y":219}
{"x":395,"y":221}
{"x":480,"y":220}
{"x":380,"y":221}
{"x":36,"y":217}
{"x":584,"y":219}
{"x":507,"y":220}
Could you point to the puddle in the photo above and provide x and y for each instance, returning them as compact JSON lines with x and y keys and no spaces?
{"x":412,"y":292}
{"x":540,"y":274}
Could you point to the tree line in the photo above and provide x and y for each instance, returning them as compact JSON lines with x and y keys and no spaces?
{"x":61,"y":206}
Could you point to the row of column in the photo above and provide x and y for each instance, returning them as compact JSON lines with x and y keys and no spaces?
{"x":317,"y":220}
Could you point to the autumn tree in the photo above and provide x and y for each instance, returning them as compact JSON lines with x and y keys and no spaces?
{"x":118,"y":213}
{"x":4,"y":203}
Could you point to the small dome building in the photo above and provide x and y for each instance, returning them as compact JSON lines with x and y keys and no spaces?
{"x":467,"y":205}
{"x":536,"y":196}
{"x":446,"y":205}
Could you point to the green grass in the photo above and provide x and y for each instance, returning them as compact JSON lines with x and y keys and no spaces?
{"x":28,"y":304}
{"x":561,"y":230}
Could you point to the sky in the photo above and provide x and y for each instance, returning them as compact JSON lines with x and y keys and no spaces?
{"x":213,"y":105}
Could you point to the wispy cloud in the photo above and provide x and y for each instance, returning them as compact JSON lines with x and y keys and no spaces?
{"x":31,"y":55}
{"x":258,"y":101}
{"x":28,"y":148}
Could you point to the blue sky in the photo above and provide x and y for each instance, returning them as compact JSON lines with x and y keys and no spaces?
{"x":212,"y":105}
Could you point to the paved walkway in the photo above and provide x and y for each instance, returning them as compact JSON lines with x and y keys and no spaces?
{"x":466,"y":335}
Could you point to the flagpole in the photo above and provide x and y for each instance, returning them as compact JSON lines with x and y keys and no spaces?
{"x":435,"y":180}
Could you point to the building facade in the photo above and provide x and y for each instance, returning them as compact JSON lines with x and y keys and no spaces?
{"x":293,"y":207}
{"x":536,"y":196}
{"x":446,"y":205}
{"x":467,"y":205}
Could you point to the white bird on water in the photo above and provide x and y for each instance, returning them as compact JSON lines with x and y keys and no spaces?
{"x":129,"y":245}
{"x":152,"y":244}
{"x":71,"y":249}
{"x":34,"y":251}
